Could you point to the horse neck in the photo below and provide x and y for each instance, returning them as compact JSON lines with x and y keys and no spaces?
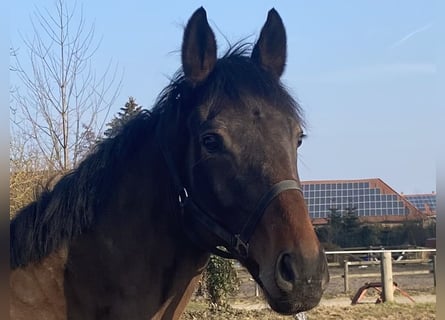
{"x":139,"y":250}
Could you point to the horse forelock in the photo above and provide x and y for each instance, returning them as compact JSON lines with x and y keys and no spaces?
{"x":235,"y":76}
{"x":238,"y":78}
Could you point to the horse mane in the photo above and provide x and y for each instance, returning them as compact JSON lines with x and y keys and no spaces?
{"x":71,"y":208}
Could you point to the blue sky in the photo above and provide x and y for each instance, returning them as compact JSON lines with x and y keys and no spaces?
{"x":365,"y":72}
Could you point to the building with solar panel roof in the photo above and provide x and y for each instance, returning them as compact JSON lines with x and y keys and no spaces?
{"x":372,"y":200}
{"x":424,"y":202}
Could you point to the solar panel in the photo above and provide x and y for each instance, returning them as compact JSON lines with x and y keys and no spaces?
{"x":419,"y":201}
{"x":322,"y":198}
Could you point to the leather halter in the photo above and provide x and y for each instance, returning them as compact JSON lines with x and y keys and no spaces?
{"x":233,"y":246}
{"x":236,"y":245}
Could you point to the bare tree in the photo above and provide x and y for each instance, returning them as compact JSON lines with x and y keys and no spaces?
{"x":60,"y":101}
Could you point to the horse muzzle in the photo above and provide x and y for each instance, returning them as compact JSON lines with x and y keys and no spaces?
{"x":297,"y":284}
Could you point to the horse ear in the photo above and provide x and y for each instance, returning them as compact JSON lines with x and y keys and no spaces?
{"x":198,"y":48}
{"x":270,"y":50}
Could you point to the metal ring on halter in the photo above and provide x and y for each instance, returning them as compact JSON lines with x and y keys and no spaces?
{"x":183,"y":198}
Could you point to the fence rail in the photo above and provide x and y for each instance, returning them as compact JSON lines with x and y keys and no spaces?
{"x":370,"y":251}
{"x":385,"y":263}
{"x":367,"y":263}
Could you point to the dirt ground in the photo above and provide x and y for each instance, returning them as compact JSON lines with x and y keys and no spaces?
{"x":357,"y":312}
{"x":336,"y":304}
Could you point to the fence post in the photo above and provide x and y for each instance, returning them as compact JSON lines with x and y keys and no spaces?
{"x":387,"y":280}
{"x":434,"y":270}
{"x":346,"y":275}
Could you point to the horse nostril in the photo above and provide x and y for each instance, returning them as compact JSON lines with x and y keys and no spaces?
{"x":286,"y":272}
{"x":285,"y":268}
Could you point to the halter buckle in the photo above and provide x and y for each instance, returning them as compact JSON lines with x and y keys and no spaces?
{"x":241,"y":247}
{"x":182,"y":197}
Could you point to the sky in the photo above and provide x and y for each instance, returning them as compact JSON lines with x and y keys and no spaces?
{"x":366,"y":73}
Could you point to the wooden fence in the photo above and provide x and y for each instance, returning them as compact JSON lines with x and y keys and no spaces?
{"x":384,"y":259}
{"x":354,"y":258}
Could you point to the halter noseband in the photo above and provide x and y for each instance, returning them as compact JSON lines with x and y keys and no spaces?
{"x":236,"y":245}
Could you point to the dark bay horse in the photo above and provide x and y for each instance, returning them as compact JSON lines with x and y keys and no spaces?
{"x":210,"y":169}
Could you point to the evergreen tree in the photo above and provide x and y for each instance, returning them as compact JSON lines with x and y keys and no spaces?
{"x":336,"y":227}
{"x":127,"y":112}
{"x":351,"y":228}
{"x":351,"y":220}
{"x":370,"y":235}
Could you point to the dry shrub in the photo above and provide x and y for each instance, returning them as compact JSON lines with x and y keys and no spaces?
{"x":25,"y":186}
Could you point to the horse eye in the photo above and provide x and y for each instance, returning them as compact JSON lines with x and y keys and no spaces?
{"x":300,"y":139}
{"x":212,"y":142}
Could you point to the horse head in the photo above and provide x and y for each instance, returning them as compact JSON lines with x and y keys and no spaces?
{"x":235,"y":164}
